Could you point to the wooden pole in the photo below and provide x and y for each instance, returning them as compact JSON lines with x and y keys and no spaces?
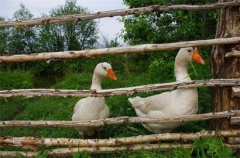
{"x":225,"y":67}
{"x":118,"y":120}
{"x":97,"y":150}
{"x":138,"y":49}
{"x":112,"y":142}
{"x":120,"y":91}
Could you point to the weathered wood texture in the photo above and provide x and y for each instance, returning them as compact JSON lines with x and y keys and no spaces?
{"x":122,"y":12}
{"x":235,"y":120}
{"x":234,"y":53}
{"x":97,"y":150}
{"x":119,"y":91}
{"x":236,"y":91}
{"x":114,"y":142}
{"x":222,"y":67}
{"x":234,"y":140}
{"x":118,"y":120}
{"x":138,"y":49}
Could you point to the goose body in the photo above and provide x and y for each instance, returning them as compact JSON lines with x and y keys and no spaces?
{"x":179,"y":102}
{"x":93,"y":108}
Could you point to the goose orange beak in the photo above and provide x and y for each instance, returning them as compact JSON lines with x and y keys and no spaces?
{"x":197,"y":57}
{"x":111,"y":74}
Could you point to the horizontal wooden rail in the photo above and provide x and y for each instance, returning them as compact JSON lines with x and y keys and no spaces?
{"x":113,"y":142}
{"x":129,"y":144}
{"x":118,"y":120}
{"x":140,"y":49}
{"x":119,"y":91}
{"x":122,"y":12}
{"x":98,"y":150}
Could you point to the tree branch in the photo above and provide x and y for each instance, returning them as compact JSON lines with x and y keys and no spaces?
{"x":140,"y":49}
{"x":113,"y":142}
{"x":95,"y":150}
{"x":111,"y":13}
{"x":119,"y":91}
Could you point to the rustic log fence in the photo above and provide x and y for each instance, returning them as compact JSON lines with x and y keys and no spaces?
{"x":136,"y":143}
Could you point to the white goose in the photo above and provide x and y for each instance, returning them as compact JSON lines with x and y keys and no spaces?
{"x":179,"y":102}
{"x":92,"y":108}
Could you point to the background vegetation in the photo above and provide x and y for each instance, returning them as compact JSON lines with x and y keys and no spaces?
{"x":131,"y":70}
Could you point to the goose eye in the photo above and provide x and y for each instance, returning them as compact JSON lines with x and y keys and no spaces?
{"x":189,"y":50}
{"x":104,"y":67}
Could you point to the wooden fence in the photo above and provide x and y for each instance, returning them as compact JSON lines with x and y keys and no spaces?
{"x":136,"y":143}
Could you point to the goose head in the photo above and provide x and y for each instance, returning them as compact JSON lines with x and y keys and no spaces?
{"x":182,"y":60}
{"x":188,"y":54}
{"x":105,"y":70}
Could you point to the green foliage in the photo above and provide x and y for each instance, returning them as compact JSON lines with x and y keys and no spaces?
{"x":48,"y":38}
{"x":3,"y":35}
{"x":81,"y":155}
{"x":75,"y":81}
{"x":179,"y":153}
{"x":11,"y":107}
{"x":21,"y":40}
{"x":56,"y":108}
{"x":15,"y":80}
{"x":131,"y":70}
{"x":211,"y":147}
{"x":75,"y":36}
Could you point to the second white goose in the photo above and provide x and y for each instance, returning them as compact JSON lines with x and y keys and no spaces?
{"x":179,"y":102}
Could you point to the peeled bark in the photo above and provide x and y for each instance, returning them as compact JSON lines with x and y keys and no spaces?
{"x":225,"y":67}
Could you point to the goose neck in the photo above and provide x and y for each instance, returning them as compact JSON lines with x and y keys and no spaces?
{"x":181,"y":71}
{"x":96,"y":82}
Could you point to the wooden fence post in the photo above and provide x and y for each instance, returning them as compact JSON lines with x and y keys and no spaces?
{"x":225,"y":67}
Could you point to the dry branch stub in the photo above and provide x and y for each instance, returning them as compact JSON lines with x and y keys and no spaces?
{"x":234,"y":53}
{"x":236,"y":91}
{"x":235,"y":120}
{"x":122,"y":12}
{"x":119,"y":91}
{"x":234,"y":140}
{"x":145,"y":48}
{"x":119,"y":120}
